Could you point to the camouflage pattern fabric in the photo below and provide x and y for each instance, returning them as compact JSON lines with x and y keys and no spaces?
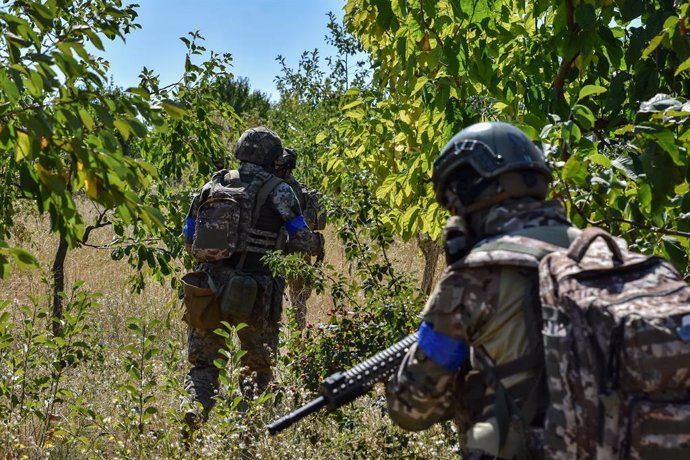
{"x":260,"y":339}
{"x":282,"y":198}
{"x":298,"y":289}
{"x":481,"y":299}
{"x":259,"y":146}
{"x":225,"y":220}
{"x":614,"y":345}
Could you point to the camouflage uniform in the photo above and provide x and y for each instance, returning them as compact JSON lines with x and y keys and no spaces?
{"x":299,"y":290}
{"x":488,"y":303}
{"x":260,"y":338}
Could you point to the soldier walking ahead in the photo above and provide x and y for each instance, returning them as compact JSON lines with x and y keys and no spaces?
{"x":314,"y":215}
{"x":243,"y":281}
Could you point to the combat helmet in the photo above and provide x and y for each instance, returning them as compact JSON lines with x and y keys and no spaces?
{"x":288,"y":160}
{"x":259,"y":145}
{"x":489,"y":153}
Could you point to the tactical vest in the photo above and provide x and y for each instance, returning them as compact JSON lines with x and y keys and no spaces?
{"x":233,"y":220}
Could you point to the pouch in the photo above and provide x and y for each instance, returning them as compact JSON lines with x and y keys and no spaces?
{"x":202,"y":309}
{"x":660,"y":430}
{"x":238,"y":297}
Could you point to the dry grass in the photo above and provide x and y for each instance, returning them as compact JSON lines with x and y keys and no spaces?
{"x":96,"y":383}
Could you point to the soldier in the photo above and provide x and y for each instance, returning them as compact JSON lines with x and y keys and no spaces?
{"x":298,"y":288}
{"x":257,"y":150}
{"x":484,"y":313}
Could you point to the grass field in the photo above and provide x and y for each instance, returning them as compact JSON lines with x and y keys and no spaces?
{"x":122,"y":397}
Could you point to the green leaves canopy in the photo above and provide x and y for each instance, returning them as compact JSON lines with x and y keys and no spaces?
{"x":573,"y":74}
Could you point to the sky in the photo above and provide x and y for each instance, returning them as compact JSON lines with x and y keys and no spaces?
{"x":254,"y":32}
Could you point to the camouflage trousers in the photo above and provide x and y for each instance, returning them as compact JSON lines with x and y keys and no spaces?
{"x":259,"y":339}
{"x":299,"y":294}
{"x":300,"y":291}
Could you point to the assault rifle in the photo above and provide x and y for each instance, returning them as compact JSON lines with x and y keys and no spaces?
{"x":343,"y":387}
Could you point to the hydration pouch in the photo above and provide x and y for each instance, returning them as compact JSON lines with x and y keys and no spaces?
{"x":202,"y":310}
{"x":239,"y":295}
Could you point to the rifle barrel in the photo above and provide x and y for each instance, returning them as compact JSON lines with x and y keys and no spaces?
{"x":284,"y":422}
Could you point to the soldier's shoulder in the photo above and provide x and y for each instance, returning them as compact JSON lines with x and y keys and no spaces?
{"x":283,"y":191}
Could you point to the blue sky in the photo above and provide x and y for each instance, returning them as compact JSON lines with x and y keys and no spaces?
{"x":255,"y":32}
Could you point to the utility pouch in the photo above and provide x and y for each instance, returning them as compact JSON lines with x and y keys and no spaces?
{"x":659,"y":430}
{"x":239,"y":295}
{"x":202,"y":310}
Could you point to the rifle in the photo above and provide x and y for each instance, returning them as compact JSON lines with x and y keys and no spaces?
{"x":343,"y":387}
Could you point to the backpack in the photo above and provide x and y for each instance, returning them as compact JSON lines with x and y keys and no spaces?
{"x":616,"y":331}
{"x":225,"y":221}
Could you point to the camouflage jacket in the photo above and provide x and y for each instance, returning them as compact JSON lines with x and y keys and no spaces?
{"x":281,"y":202}
{"x":484,"y":300}
{"x":298,"y":188}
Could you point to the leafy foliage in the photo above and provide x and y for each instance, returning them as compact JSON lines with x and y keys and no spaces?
{"x":571,"y":73}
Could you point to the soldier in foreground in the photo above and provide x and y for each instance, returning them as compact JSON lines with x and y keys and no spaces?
{"x":479,"y":355}
{"x":273,"y":206}
{"x":298,"y":288}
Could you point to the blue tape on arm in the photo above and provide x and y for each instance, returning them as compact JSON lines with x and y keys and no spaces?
{"x":189,"y":228}
{"x":445,"y":351}
{"x":295,"y":224}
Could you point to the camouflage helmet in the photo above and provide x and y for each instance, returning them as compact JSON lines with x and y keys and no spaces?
{"x":486,"y":151}
{"x":288,"y":160}
{"x":260,"y":146}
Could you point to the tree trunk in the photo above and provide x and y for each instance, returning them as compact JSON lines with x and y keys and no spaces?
{"x":431,"y":250}
{"x":59,"y":284}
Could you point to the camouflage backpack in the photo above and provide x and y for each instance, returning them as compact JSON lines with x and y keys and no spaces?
{"x":225,"y":221}
{"x":616,"y":330}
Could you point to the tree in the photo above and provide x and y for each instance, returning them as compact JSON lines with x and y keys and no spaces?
{"x":574,"y":74}
{"x":237,"y":92}
{"x":63,"y":131}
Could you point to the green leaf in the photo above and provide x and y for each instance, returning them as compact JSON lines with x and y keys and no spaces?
{"x":174,"y":109}
{"x":571,"y":133}
{"x":584,"y":116}
{"x":600,"y":159}
{"x":667,"y":141}
{"x":322,"y":136}
{"x":4,"y":267}
{"x":22,"y":147}
{"x":352,"y":104}
{"x":654,"y":44}
{"x":685,"y":65}
{"x":575,"y":171}
{"x":23,"y":258}
{"x":123,"y":127}
{"x":589,"y":90}
{"x":86,"y":118}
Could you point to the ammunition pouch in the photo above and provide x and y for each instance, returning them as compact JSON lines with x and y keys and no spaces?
{"x":202,"y":309}
{"x":238,"y":297}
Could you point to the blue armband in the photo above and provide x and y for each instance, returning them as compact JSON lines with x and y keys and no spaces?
{"x":445,"y":351}
{"x":295,"y":224}
{"x":189,"y":228}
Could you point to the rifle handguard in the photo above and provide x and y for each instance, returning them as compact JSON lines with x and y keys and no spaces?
{"x":343,"y":387}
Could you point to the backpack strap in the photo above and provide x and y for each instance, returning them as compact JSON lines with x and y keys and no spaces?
{"x":560,"y":236}
{"x":265,"y":190}
{"x":505,"y":406}
{"x":268,"y":183}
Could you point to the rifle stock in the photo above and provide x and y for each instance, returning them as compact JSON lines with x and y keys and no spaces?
{"x":343,"y":387}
